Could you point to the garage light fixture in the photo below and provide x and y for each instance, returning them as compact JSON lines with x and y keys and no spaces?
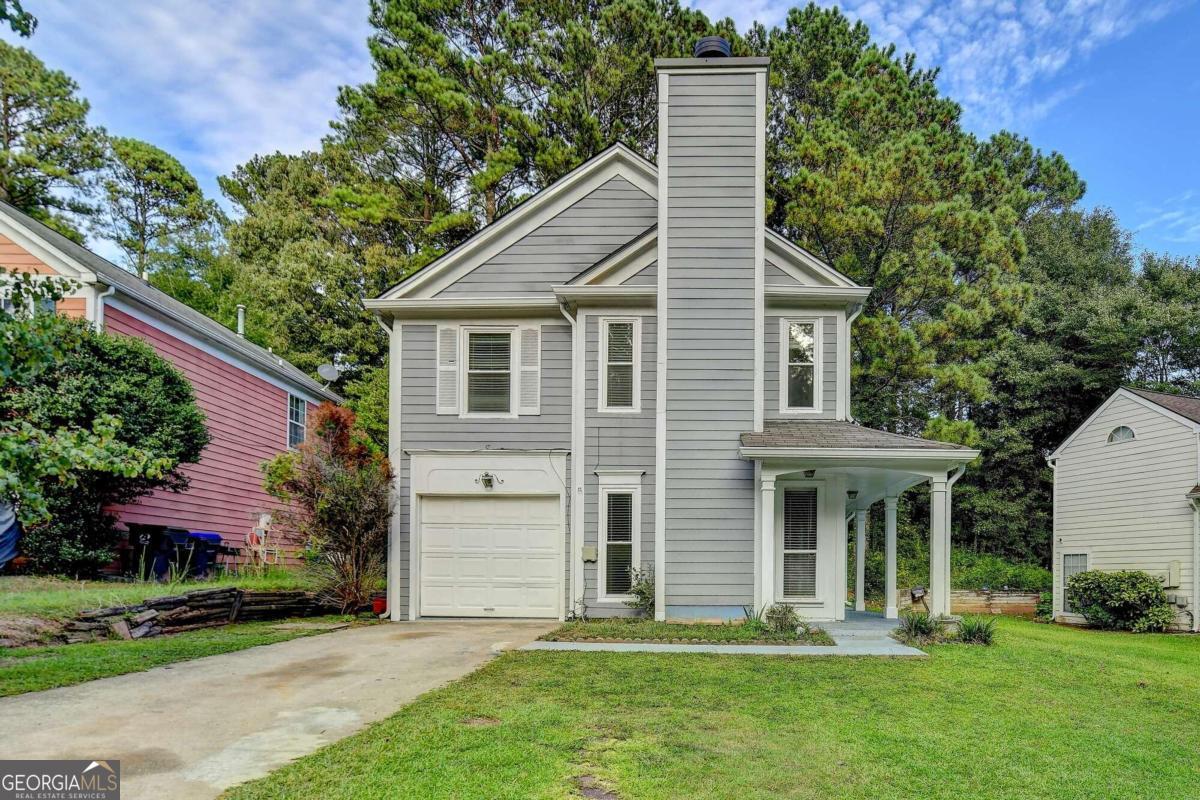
{"x":488,"y":481}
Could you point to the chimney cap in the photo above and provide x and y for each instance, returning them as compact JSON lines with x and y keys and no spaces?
{"x":712,"y":47}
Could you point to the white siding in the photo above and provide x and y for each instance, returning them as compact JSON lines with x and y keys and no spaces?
{"x":1124,"y":504}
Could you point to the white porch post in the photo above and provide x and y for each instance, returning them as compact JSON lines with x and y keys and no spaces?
{"x":860,"y":559}
{"x":889,"y":588}
{"x":939,"y":547}
{"x":767,"y":548}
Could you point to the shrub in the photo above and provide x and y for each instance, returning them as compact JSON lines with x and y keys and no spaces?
{"x":920,"y":628}
{"x":754,"y":619}
{"x":782,"y":618}
{"x":141,"y":422}
{"x":1045,"y":607}
{"x":1127,"y":600}
{"x":641,"y":586}
{"x":977,"y":630}
{"x":337,"y":488}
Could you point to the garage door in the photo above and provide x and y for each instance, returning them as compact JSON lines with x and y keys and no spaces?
{"x":491,"y":556}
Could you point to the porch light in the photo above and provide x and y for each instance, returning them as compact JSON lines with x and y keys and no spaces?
{"x":810,"y":473}
{"x":852,"y":494}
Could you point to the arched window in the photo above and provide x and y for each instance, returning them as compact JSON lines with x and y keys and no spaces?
{"x":1122,"y":433}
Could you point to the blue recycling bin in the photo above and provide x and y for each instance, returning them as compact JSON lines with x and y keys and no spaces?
{"x":205,"y":546}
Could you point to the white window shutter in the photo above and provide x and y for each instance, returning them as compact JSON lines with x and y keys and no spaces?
{"x":447,"y":369}
{"x":530,"y":384}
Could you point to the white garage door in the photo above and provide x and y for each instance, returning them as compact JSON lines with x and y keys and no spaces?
{"x":491,"y":556}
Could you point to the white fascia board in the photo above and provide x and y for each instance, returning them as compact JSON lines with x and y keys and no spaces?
{"x":607,"y":295}
{"x":58,"y":261}
{"x":617,"y":161}
{"x":1128,"y":395}
{"x":861,"y":454}
{"x":841,"y":296}
{"x":790,"y":251}
{"x":467,"y":307}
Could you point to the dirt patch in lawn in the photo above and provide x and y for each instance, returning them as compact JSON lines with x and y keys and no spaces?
{"x":590,"y":787}
{"x":480,"y":722}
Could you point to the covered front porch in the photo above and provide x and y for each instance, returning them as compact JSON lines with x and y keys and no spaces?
{"x":814,"y":477}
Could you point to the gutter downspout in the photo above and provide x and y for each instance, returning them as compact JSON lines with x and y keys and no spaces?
{"x":99,"y":315}
{"x":1195,"y":501}
{"x":574,"y":506}
{"x":1053,"y":464}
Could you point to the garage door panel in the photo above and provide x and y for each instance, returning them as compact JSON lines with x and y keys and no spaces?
{"x":491,"y":556}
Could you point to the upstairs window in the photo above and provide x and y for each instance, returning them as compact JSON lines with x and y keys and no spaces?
{"x":297,"y":420}
{"x":800,"y":378}
{"x":620,"y":380}
{"x":489,"y":372}
{"x":1121,"y":433}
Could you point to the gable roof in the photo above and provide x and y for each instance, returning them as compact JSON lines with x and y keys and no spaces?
{"x":1184,"y":406}
{"x":131,"y":285}
{"x":1182,"y":409}
{"x":836,"y":434}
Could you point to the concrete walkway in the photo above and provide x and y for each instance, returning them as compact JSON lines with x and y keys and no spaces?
{"x":192,"y":729}
{"x":860,"y":634}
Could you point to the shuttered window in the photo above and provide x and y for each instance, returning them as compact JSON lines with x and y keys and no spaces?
{"x":800,"y":340}
{"x":800,"y":543}
{"x":489,"y":372}
{"x":1073,"y":564}
{"x":620,"y":382}
{"x":297,"y":420}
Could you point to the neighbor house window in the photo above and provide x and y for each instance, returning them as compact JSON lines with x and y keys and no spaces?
{"x":619,"y":368}
{"x":1122,"y":433}
{"x":1073,"y":564}
{"x":800,"y":543}
{"x":489,"y":372}
{"x":620,"y":501}
{"x":800,"y":368}
{"x":297,"y":420}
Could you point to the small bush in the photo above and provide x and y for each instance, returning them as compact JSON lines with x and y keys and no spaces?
{"x":781,"y":618}
{"x":1044,"y":612}
{"x":1127,"y":600}
{"x":642,"y":588}
{"x":754,"y":620}
{"x":920,"y":628}
{"x":977,"y":630}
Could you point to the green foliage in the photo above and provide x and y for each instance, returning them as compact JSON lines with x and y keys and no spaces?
{"x":48,"y":151}
{"x":754,"y":619}
{"x":367,"y":397}
{"x":1127,"y":600}
{"x":337,"y":488}
{"x":977,"y":630}
{"x":19,"y":20}
{"x":917,"y":628}
{"x":151,"y":201}
{"x":781,"y":617}
{"x":1045,"y":607}
{"x":641,"y":587}
{"x":102,"y":420}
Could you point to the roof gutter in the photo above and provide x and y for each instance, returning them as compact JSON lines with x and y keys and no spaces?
{"x":960,"y":457}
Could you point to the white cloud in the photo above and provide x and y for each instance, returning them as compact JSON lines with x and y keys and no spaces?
{"x":214,"y":83}
{"x":996,"y":57}
{"x":1175,"y":220}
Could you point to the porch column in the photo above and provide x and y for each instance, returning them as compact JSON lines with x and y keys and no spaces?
{"x":889,"y":588}
{"x":767,"y":515}
{"x":939,"y":547}
{"x":860,"y":559}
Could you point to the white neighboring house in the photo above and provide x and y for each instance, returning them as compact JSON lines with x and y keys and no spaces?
{"x":1127,"y":497}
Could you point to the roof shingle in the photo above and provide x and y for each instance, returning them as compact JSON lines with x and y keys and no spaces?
{"x":1184,"y":406}
{"x":837,"y":435}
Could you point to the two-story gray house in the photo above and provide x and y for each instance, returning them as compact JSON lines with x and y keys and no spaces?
{"x":630,"y":370}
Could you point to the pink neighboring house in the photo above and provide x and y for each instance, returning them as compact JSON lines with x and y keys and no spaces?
{"x":256,"y":404}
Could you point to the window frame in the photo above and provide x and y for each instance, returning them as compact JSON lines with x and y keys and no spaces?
{"x":464,"y":372}
{"x":785,"y":324}
{"x":617,"y":483}
{"x":780,"y":539}
{"x":603,"y":365}
{"x":1132,"y":435}
{"x":302,"y":404}
{"x":1062,"y":562}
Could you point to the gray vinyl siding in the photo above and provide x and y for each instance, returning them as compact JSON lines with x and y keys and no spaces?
{"x":772,"y":374}
{"x":777,"y":277}
{"x":1124,"y":504}
{"x":617,"y":441}
{"x":564,"y":246}
{"x":647,"y":276}
{"x":422,"y":428}
{"x":710,"y":339}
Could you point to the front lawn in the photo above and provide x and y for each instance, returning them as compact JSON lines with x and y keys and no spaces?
{"x":647,"y":630}
{"x":1048,"y":712}
{"x":31,"y":669}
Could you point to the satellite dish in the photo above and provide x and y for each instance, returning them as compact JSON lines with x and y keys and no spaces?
{"x":328,"y":372}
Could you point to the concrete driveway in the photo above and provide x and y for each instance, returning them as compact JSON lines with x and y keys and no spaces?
{"x":190,"y":730}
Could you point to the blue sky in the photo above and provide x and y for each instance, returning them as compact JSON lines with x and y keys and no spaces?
{"x":1112,"y":84}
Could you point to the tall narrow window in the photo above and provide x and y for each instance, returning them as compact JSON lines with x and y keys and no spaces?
{"x":619,"y":379}
{"x":619,"y":533}
{"x":297,"y":420}
{"x":1073,"y":564}
{"x":799,"y":543}
{"x":799,"y":381}
{"x":489,"y":372}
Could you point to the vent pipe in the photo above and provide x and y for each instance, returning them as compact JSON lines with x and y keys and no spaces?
{"x":712,"y":47}
{"x":241,"y":325}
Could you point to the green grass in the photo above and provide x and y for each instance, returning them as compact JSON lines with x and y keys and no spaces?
{"x":32,"y":669}
{"x":648,"y":630}
{"x":59,"y":598}
{"x":1047,"y":712}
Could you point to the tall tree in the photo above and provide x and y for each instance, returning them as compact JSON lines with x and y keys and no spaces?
{"x":151,"y":202}
{"x":1169,"y":298}
{"x":48,"y":152}
{"x":19,"y":20}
